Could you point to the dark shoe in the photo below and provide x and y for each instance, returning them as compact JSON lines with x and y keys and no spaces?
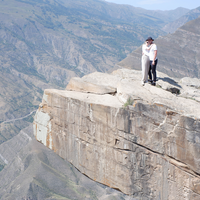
{"x":150,"y":81}
{"x":143,"y":83}
{"x":153,"y":83}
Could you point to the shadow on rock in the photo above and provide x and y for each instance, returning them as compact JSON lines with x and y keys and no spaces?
{"x":170,"y":81}
{"x":172,"y":86}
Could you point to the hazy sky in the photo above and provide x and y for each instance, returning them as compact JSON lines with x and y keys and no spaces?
{"x":160,"y":4}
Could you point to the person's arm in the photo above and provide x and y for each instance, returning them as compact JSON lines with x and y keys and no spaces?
{"x":155,"y":55}
{"x":148,"y":48}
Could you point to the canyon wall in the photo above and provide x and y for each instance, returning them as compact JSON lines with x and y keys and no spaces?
{"x":141,"y":140}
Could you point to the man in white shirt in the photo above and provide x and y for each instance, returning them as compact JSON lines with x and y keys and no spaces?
{"x":153,"y":60}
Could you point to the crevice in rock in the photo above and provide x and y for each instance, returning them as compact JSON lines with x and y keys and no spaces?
{"x":122,"y":149}
{"x":179,"y":164}
{"x":182,"y":165}
{"x":116,"y":141}
{"x":113,"y":93}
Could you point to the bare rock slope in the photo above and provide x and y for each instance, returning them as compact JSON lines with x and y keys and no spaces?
{"x":178,"y":53}
{"x":32,"y":171}
{"x":141,"y":140}
{"x":191,"y":15}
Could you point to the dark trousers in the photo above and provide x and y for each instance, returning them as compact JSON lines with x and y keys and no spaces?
{"x":152,"y":70}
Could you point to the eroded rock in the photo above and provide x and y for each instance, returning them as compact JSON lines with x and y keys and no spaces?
{"x":80,"y":85}
{"x":149,"y":150}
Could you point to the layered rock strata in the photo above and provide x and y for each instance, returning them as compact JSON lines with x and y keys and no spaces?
{"x":149,"y":149}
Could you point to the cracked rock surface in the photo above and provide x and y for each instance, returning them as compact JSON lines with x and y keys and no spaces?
{"x":149,"y":149}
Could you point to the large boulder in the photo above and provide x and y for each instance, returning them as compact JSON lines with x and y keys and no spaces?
{"x":98,"y":83}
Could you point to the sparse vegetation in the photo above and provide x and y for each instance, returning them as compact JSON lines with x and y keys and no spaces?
{"x":1,"y":167}
{"x":158,"y":86}
{"x":130,"y":102}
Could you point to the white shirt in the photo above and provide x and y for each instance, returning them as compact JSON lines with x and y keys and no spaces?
{"x":145,"y":51}
{"x":152,"y":52}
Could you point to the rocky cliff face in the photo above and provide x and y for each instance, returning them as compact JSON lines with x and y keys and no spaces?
{"x":142,"y":140}
{"x":32,"y":171}
{"x":45,"y":43}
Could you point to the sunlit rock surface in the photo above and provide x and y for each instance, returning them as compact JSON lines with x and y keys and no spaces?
{"x":142,"y":140}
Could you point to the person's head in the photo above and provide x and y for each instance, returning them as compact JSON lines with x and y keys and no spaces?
{"x":149,"y":40}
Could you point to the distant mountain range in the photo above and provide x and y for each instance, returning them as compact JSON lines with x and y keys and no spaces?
{"x":173,"y":26}
{"x":178,"y":53}
{"x":45,"y":43}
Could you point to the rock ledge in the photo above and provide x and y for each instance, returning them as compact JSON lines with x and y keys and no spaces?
{"x":149,"y":149}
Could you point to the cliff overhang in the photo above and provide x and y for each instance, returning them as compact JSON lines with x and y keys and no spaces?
{"x":148,"y":149}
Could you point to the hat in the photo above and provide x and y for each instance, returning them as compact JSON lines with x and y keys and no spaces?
{"x":149,"y":38}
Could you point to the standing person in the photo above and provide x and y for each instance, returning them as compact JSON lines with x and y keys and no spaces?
{"x":153,"y":60}
{"x":145,"y":61}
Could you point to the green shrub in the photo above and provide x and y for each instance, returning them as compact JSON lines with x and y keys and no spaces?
{"x":129,"y":102}
{"x":1,"y":167}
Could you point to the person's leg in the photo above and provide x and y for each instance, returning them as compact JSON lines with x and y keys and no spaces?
{"x":154,"y":70}
{"x":146,"y":71}
{"x":143,"y":68}
{"x":145,"y":62}
{"x":150,"y":75}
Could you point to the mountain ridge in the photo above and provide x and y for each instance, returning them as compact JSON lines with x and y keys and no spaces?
{"x":177,"y":52}
{"x":44,"y":43}
{"x":173,"y":26}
